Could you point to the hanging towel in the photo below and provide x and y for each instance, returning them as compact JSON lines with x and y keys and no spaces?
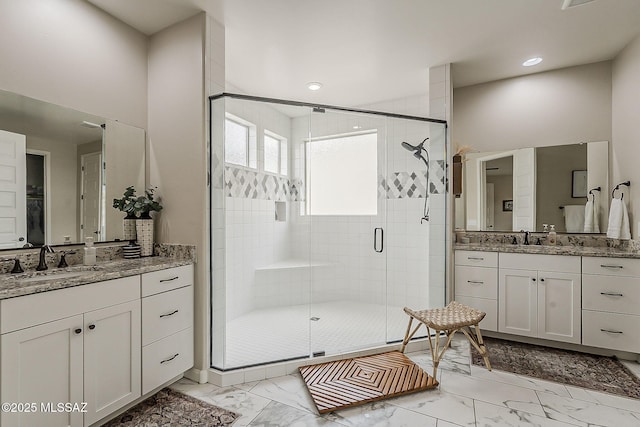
{"x":574,"y":218}
{"x":591,"y":216}
{"x":618,"y":220}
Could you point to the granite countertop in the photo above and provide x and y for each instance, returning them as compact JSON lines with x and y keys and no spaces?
{"x":31,"y":282}
{"x":596,"y":251}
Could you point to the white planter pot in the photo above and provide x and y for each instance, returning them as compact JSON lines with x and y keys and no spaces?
{"x":129,"y":229}
{"x":144,"y":231}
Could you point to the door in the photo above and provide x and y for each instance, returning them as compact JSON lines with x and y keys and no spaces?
{"x":490,"y":208}
{"x":559,"y":306}
{"x":524,"y":189}
{"x":90,"y":199}
{"x":345,"y":160}
{"x":13,"y":190}
{"x":43,"y":364}
{"x":111,"y":359}
{"x":517,"y":306}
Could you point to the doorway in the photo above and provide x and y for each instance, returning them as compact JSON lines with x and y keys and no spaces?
{"x":91,"y":194}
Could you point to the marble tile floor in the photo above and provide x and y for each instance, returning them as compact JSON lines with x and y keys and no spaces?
{"x":468,"y":395}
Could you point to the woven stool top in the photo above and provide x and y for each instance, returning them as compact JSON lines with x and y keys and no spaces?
{"x":453,"y":316}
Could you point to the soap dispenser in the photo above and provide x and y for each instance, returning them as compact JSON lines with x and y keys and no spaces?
{"x":89,"y":252}
{"x":552,"y":235}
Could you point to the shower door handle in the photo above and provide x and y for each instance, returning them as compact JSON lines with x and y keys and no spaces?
{"x":375,"y":239}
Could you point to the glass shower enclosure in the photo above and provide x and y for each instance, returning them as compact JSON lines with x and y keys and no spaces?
{"x":325,"y":223}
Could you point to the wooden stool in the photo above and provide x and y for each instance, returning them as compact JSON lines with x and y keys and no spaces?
{"x":450,"y":319}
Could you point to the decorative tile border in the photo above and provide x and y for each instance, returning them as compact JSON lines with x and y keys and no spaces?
{"x":248,"y":184}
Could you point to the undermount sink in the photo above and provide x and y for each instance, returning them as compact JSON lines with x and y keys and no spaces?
{"x":54,"y":276}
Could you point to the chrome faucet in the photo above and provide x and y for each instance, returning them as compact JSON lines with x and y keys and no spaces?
{"x":43,"y":263}
{"x":526,"y":238}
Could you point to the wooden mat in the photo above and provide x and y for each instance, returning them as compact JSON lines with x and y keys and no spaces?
{"x":345,"y":383}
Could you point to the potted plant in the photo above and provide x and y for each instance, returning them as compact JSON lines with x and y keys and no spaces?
{"x":143,"y":206}
{"x":127,"y":205}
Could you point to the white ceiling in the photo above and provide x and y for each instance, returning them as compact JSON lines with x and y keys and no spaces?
{"x":366,"y":51}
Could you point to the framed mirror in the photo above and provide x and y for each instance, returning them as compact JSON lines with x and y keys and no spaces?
{"x":523,"y":189}
{"x":59,"y":172}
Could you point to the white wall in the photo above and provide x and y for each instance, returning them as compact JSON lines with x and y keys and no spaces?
{"x":71,"y":53}
{"x":626,"y":131}
{"x":177,"y":147}
{"x":557,"y":107}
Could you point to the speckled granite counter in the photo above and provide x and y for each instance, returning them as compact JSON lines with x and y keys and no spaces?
{"x":549,"y":250}
{"x":59,"y":278}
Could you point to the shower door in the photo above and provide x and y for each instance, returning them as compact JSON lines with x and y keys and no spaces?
{"x":345,"y":164}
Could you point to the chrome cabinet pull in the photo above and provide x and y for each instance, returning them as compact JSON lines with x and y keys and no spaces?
{"x":610,"y":331}
{"x":475,"y":258}
{"x":169,"y":314}
{"x":170,"y":359}
{"x":475,"y":282}
{"x":169,"y":280}
{"x":610,"y":266}
{"x":611,"y":294}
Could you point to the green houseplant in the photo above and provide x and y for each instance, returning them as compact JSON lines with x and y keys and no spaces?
{"x":127,"y":203}
{"x":144,"y":205}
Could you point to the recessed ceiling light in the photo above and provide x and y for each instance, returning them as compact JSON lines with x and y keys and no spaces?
{"x":532,"y":61}
{"x":314,"y":85}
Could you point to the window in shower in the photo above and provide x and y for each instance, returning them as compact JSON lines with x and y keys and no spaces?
{"x":342,"y":175}
{"x":240,"y":142}
{"x":275,"y":153}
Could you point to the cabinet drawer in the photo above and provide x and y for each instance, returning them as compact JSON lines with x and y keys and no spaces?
{"x":166,"y":313}
{"x":477,"y":258}
{"x":165,"y":280}
{"x":31,"y":310}
{"x":612,"y":294}
{"x":489,"y":306}
{"x":559,"y":263}
{"x":611,"y":266}
{"x":479,"y":282}
{"x":610,"y":330}
{"x":165,"y":359}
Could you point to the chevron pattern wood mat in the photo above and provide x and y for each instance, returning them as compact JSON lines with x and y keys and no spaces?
{"x":345,"y":383}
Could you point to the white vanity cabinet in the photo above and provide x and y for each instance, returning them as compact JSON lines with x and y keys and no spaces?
{"x":540,"y":296}
{"x":611,"y":303}
{"x":167,"y":325}
{"x":74,"y":345}
{"x":476,"y":284}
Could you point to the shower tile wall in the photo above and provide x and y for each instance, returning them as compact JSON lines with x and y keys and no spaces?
{"x":255,"y":241}
{"x":268,"y":263}
{"x":345,"y":242}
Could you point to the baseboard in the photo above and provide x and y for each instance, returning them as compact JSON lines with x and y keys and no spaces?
{"x":201,"y":376}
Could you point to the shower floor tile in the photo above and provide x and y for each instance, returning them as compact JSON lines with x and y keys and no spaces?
{"x":281,"y":333}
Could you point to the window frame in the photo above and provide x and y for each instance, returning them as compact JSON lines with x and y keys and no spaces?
{"x":251,"y":146}
{"x":283,"y":147}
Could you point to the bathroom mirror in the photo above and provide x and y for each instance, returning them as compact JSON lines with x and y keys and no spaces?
{"x":59,"y":171}
{"x":523,"y":189}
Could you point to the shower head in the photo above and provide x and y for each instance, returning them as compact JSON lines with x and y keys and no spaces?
{"x":417,"y":148}
{"x":410,"y":147}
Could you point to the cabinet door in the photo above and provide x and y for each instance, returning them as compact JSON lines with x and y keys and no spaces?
{"x":112,"y":352}
{"x":517,"y":307}
{"x":559,"y":306}
{"x":43,"y":364}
